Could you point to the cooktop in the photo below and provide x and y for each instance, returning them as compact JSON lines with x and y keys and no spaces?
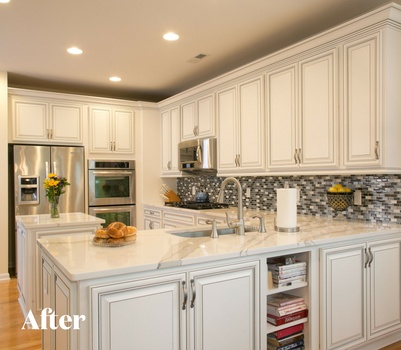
{"x":197,"y":205}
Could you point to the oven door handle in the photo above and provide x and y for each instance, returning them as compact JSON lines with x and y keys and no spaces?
{"x":121,"y":172}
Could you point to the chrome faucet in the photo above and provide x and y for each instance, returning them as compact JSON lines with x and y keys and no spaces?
{"x":239,"y":223}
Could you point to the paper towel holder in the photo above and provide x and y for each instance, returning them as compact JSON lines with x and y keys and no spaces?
{"x":285,"y":229}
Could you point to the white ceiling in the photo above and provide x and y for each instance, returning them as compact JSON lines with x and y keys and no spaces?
{"x":124,"y":38}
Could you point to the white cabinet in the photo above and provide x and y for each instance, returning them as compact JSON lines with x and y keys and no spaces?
{"x":152,"y":218}
{"x":45,"y":120}
{"x":111,"y":130}
{"x":29,"y":269}
{"x":174,"y":218}
{"x":302,"y":114}
{"x":140,"y":314}
{"x":197,"y":118}
{"x":371,"y":108}
{"x":170,"y":121}
{"x":187,"y":310}
{"x":361,"y":293}
{"x":224,"y":308}
{"x":241,"y":127}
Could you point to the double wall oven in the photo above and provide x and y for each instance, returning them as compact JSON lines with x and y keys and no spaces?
{"x":112,"y":190}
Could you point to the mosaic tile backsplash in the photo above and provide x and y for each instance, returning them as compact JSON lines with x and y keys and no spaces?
{"x":381,"y":194}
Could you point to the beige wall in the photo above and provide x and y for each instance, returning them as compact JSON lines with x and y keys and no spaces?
{"x":3,"y":176}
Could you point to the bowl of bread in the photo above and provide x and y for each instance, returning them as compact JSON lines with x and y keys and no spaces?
{"x":116,"y":234}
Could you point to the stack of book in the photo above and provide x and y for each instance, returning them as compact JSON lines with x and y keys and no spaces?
{"x":291,"y":338}
{"x":287,"y":275}
{"x":282,"y":308}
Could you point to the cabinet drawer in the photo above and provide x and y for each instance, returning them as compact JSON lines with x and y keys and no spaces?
{"x":186,"y":219}
{"x":202,"y":220}
{"x":152,"y":213}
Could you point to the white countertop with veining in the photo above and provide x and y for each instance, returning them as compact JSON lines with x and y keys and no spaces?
{"x":65,"y":220}
{"x":79,"y":259}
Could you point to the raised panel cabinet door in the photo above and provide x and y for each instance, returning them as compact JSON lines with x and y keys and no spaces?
{"x":66,"y":123}
{"x":223,"y":304}
{"x":228,"y":134}
{"x":143,"y":314}
{"x":343,"y":297}
{"x":188,"y":121}
{"x":281,"y":117}
{"x":318,"y":144}
{"x":61,"y":307}
{"x":46,"y":301}
{"x":206,"y":119}
{"x":30,"y":121}
{"x":175,"y":138}
{"x":166,"y":141}
{"x":123,"y":138}
{"x":361,"y":102}
{"x":100,"y":126}
{"x":385,"y":287}
{"x":251,"y":125}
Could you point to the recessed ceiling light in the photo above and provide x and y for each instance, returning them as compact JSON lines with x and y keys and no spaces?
{"x":115,"y":79}
{"x":74,"y":51}
{"x":4,"y":1}
{"x":171,"y":36}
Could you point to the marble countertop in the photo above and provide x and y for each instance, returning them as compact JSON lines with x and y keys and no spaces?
{"x":79,"y":259}
{"x":65,"y":219}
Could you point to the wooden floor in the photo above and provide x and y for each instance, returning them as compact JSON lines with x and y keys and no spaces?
{"x":12,"y":337}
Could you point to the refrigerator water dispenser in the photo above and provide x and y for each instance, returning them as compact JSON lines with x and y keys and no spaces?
{"x":28,"y":189}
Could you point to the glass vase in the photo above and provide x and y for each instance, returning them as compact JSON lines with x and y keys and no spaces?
{"x":54,"y":208}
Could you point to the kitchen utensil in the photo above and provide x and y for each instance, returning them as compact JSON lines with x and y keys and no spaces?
{"x":169,"y":193}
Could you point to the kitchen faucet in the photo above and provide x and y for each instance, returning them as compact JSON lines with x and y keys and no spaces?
{"x":239,"y":223}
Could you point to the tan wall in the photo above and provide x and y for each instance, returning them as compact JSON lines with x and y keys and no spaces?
{"x":3,"y":176}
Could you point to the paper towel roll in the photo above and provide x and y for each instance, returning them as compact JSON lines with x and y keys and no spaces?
{"x":286,"y":208}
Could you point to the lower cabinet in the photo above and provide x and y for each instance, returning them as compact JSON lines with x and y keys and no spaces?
{"x":360,"y":293}
{"x":208,"y":309}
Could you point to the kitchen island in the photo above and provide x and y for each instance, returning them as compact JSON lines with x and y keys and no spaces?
{"x":29,"y":229}
{"x":167,"y":291}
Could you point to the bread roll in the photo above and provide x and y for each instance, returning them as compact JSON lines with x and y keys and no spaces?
{"x":102,"y":233}
{"x":117,"y":229}
{"x":131,"y":230}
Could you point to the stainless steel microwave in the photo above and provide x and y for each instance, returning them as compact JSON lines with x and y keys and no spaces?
{"x":198,"y":156}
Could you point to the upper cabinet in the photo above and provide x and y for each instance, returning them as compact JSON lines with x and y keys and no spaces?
{"x":197,"y":118}
{"x":45,"y":120}
{"x":241,"y":127}
{"x":111,"y":129}
{"x":302,"y":114}
{"x":371,"y":111}
{"x":170,"y":122}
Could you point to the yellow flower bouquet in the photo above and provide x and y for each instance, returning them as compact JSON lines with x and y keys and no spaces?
{"x":54,"y":186}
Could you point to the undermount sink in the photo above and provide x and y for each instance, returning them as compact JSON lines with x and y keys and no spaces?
{"x":208,"y":231}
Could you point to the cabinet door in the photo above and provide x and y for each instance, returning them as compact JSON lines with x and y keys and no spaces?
{"x":361,"y":109}
{"x":142,"y":314}
{"x":206,"y":120}
{"x":22,"y":273}
{"x":61,"y":307}
{"x":46,"y":301}
{"x":227,"y":119}
{"x":188,"y":121}
{"x":30,"y":121}
{"x":123,"y":135}
{"x":170,"y":140}
{"x":385,"y":287}
{"x":100,"y":124}
{"x":251,"y":125}
{"x":224,"y":313}
{"x":282,"y":116}
{"x":318,"y":111}
{"x":152,"y":224}
{"x":66,"y":123}
{"x":343,"y":297}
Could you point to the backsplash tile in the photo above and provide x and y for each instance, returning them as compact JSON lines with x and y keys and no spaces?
{"x":381,"y":194}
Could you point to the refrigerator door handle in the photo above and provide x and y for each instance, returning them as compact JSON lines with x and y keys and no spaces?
{"x":54,"y":168}
{"x":47,"y":168}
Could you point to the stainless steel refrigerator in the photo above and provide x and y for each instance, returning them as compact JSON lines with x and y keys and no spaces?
{"x":29,"y":166}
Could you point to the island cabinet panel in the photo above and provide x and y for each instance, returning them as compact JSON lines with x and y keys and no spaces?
{"x":361,"y":293}
{"x":142,"y":314}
